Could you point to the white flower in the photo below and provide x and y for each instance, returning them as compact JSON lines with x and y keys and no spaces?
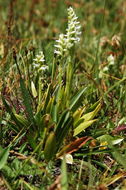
{"x":39,"y":58}
{"x":72,"y":35}
{"x":43,"y":68}
{"x":38,"y":62}
{"x":111,"y":60}
{"x":73,"y":30}
{"x":61,"y":45}
{"x":105,"y":69}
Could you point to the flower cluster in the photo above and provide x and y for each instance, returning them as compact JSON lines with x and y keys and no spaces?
{"x":72,"y":35}
{"x":38,"y":62}
{"x":111,"y":61}
{"x":73,"y":30}
{"x":61,"y":45}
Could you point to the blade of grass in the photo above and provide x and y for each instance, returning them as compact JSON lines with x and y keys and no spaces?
{"x":4,"y":156}
{"x":64,"y":182}
{"x":80,"y":174}
{"x":9,"y":109}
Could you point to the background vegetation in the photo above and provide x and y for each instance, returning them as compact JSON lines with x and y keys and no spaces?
{"x":77,"y":106}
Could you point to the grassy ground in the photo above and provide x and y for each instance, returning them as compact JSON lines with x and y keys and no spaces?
{"x":64,"y":127}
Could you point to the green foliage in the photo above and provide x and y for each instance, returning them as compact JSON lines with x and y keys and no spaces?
{"x":64,"y":182}
{"x":50,"y":146}
{"x":4,"y":153}
{"x":26,"y":100}
{"x":72,"y":99}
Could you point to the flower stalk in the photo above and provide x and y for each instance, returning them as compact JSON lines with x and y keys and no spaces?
{"x":63,"y":48}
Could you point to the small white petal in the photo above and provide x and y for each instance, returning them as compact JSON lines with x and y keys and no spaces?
{"x":57,"y":52}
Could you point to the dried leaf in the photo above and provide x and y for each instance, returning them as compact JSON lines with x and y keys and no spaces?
{"x":56,"y":185}
{"x":113,"y":179}
{"x":119,"y":129}
{"x":74,"y":146}
{"x":102,"y":187}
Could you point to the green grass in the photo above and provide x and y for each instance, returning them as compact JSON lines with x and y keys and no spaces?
{"x":76,"y":106}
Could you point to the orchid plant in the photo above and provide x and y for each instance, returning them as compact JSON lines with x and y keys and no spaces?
{"x":51,"y":113}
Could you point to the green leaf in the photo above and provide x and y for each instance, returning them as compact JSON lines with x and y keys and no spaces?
{"x":62,"y":119}
{"x":60,"y":136}
{"x":83,"y":126}
{"x":63,"y":127}
{"x":18,"y":125}
{"x":47,"y":99}
{"x":3,"y":156}
{"x":119,"y":157}
{"x":31,"y":137}
{"x":117,"y":140}
{"x":49,"y":105}
{"x":27,"y":100}
{"x":22,"y":120}
{"x":75,"y":100}
{"x":106,"y":137}
{"x":92,"y":108}
{"x":77,"y":114}
{"x":91,"y":115}
{"x":50,"y":147}
{"x":33,"y":89}
{"x":110,"y":140}
{"x":54,"y":111}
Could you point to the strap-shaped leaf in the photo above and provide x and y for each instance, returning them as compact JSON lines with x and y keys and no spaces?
{"x":62,"y":119}
{"x":47,"y":99}
{"x":9,"y":110}
{"x":75,"y":100}
{"x":22,"y":120}
{"x":33,"y":89}
{"x":49,"y":105}
{"x":74,"y":146}
{"x":61,"y":134}
{"x":91,"y":115}
{"x":3,"y":156}
{"x":83,"y":126}
{"x":27,"y":100}
{"x":54,"y":111}
{"x":50,"y":147}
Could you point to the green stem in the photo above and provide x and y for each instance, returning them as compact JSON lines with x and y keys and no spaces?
{"x":53,"y":68}
{"x":69,"y":77}
{"x":115,"y":85}
{"x":40,"y":91}
{"x":60,"y":85}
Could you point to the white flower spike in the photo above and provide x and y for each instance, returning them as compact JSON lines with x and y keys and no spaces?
{"x":72,"y":36}
{"x":73,"y":30}
{"x":38,"y":62}
{"x":61,"y":45}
